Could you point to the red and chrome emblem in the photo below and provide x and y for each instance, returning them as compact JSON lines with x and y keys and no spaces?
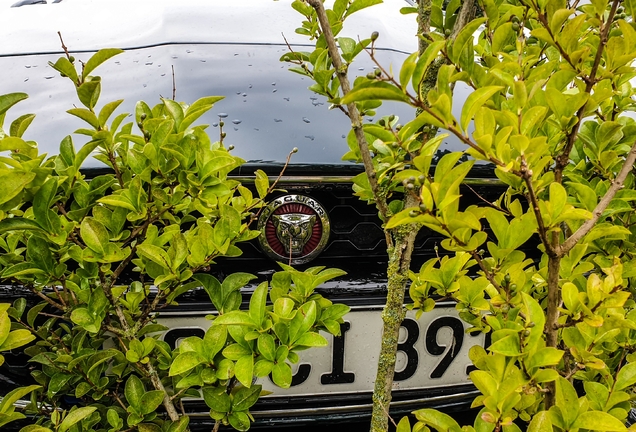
{"x":294,"y":228}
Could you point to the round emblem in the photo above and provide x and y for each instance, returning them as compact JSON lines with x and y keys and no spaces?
{"x":294,"y":228}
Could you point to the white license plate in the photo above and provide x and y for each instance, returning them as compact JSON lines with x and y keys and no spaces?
{"x":433,"y":352}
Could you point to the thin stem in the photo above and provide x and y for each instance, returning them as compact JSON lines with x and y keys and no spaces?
{"x":526,"y":175}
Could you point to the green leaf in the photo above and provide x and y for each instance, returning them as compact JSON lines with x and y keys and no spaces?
{"x":150,"y":401}
{"x":13,"y":183}
{"x":548,"y":356}
{"x":567,"y":400}
{"x":375,"y":91}
{"x":239,"y":318}
{"x":22,"y":269}
{"x":5,"y":327}
{"x":282,"y":375}
{"x":98,"y":58}
{"x":35,"y":428}
{"x":508,"y":346}
{"x":214,"y":341}
{"x":18,"y":224}
{"x":599,"y":421}
{"x":404,"y":425}
{"x":94,"y":234}
{"x":626,"y":377}
{"x":244,"y":369}
{"x":20,"y":125}
{"x":262,"y":183}
{"x":39,"y":252}
{"x":155,"y":254}
{"x":185,"y":362}
{"x":175,"y":110}
{"x":304,"y":319}
{"x":437,"y":419}
{"x":311,"y":339}
{"x":10,"y":99}
{"x":88,"y":93}
{"x":217,"y":399}
{"x":257,"y":303}
{"x":245,"y":397}
{"x":76,"y":415}
{"x":134,"y":390}
{"x":57,"y":383}
{"x":267,"y":346}
{"x":117,"y":201}
{"x":64,"y":66}
{"x":106,"y":111}
{"x":101,"y":357}
{"x":359,"y":5}
{"x":558,"y":198}
{"x":475,"y":101}
{"x":425,"y":60}
{"x":13,"y":396}
{"x":540,"y":422}
{"x":239,"y":421}
{"x":464,"y":38}
{"x":16,"y":339}
{"x":212,"y":287}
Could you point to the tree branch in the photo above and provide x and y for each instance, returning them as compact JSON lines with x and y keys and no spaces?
{"x":564,"y":158}
{"x":617,"y":184}
{"x":354,"y":114}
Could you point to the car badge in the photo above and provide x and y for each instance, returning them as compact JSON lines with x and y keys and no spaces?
{"x":294,"y":229}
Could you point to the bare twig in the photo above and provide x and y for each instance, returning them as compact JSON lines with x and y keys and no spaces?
{"x":304,"y":66}
{"x":174,"y":85}
{"x":526,"y":175}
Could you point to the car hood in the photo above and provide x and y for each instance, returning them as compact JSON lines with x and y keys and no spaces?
{"x":223,"y":48}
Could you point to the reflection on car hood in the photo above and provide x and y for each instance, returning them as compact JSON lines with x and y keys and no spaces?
{"x":223,"y":48}
{"x":93,"y":24}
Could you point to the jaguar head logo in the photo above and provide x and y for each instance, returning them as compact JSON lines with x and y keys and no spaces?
{"x":294,"y":229}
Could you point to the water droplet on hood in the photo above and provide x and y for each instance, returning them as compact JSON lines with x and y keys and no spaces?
{"x":222,"y":115}
{"x":236,"y":121}
{"x":278,"y":120}
{"x":306,"y":120}
{"x":311,"y":137}
{"x":215,"y":124}
{"x":274,"y":91}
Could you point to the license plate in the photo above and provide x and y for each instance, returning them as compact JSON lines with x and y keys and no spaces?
{"x":432,"y":353}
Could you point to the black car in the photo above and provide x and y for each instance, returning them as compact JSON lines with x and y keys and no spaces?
{"x":197,"y":48}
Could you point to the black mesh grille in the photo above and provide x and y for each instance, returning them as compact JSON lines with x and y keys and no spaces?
{"x":356,"y":232}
